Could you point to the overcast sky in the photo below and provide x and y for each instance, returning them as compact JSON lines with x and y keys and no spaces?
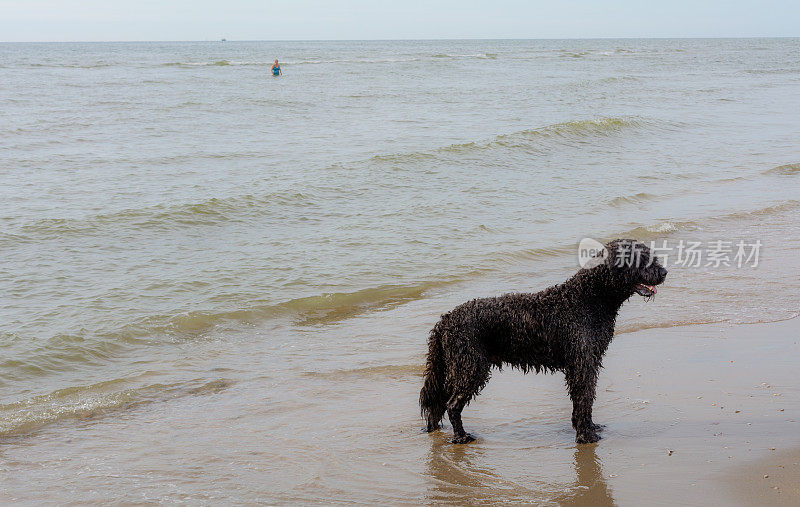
{"x":92,"y":20}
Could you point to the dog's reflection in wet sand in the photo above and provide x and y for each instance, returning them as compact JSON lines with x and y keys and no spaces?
{"x":463,"y":474}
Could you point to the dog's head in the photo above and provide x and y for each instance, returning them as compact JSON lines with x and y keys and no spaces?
{"x":637,"y":269}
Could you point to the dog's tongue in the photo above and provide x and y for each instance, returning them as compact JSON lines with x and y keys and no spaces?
{"x":650,"y":287}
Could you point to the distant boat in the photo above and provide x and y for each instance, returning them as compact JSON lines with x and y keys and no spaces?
{"x":223,"y":40}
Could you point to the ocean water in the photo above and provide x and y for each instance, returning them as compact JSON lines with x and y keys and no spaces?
{"x":187,"y":241}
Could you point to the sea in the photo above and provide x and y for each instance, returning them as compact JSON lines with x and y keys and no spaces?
{"x":216,"y":285}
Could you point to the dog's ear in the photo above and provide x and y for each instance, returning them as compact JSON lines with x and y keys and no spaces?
{"x":591,"y":253}
{"x":616,"y":253}
{"x":624,"y":253}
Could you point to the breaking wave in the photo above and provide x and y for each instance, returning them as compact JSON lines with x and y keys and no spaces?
{"x":95,"y":401}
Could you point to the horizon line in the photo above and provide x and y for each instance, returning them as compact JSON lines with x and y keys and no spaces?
{"x":225,"y":39}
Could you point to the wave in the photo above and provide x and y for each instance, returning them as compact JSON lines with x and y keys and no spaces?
{"x":638,"y":198}
{"x":574,"y":54}
{"x":567,"y":131}
{"x":60,"y":351}
{"x":97,"y":65}
{"x":732,"y":179}
{"x":581,"y":128}
{"x":143,"y":159}
{"x":398,"y":59}
{"x":304,"y":311}
{"x":650,"y":232}
{"x":793,"y":70}
{"x":618,"y":79}
{"x":633,"y":327}
{"x":319,"y":61}
{"x":481,"y":56}
{"x":94,"y":401}
{"x":266,"y":63}
{"x":784,"y":170}
{"x":762,"y":212}
{"x":211,"y":63}
{"x":162,"y":216}
{"x":528,"y":254}
{"x":660,"y":229}
{"x":566,"y":53}
{"x":390,"y":371}
{"x":64,"y":352}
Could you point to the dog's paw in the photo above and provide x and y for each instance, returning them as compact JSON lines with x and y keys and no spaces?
{"x":429,"y":429}
{"x":588,"y":437}
{"x":463,"y":439}
{"x":598,"y":427}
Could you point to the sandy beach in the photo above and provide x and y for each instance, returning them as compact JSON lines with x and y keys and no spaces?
{"x":695,"y":415}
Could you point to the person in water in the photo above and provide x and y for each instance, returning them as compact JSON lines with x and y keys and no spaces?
{"x":276,"y":69}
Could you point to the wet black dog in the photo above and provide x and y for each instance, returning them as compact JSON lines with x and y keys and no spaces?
{"x":567,"y":328}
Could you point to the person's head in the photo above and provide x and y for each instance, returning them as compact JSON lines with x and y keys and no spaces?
{"x":276,"y":61}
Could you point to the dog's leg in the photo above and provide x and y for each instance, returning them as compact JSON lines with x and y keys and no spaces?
{"x":454,"y":408}
{"x":469,"y":376}
{"x":582,"y":384}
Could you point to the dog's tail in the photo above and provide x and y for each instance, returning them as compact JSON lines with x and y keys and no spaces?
{"x":433,"y":396}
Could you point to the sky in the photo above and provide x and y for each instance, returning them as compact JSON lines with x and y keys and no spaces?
{"x":111,"y":20}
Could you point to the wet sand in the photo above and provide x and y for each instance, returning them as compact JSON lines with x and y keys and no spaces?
{"x":720,"y":408}
{"x":774,"y":480}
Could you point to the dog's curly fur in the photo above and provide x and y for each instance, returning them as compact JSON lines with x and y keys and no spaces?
{"x":567,"y":328}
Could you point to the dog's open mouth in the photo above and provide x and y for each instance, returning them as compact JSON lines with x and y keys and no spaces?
{"x":645,"y":290}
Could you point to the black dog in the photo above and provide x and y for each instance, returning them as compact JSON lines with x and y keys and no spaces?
{"x":567,"y":328}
